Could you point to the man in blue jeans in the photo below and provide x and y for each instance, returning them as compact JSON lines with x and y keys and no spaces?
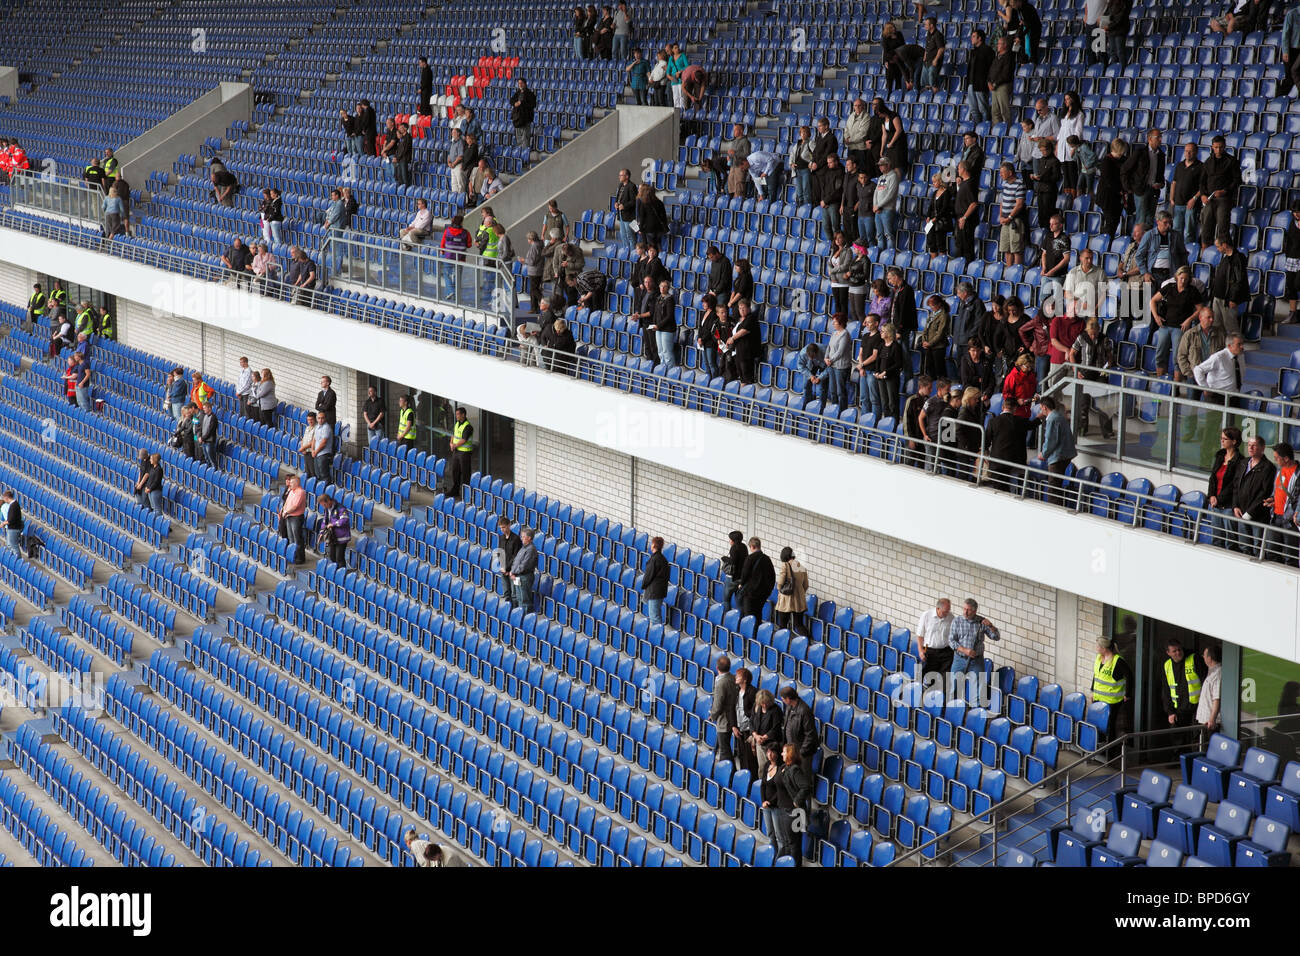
{"x":654,"y":582}
{"x":522,"y":572}
{"x":11,"y":517}
{"x":967,"y":638}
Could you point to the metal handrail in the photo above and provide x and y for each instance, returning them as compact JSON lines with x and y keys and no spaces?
{"x":930,"y":854}
{"x":934,"y":458}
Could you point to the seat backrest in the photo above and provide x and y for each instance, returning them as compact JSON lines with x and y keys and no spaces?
{"x":1271,"y":834}
{"x":1162,"y":854}
{"x":1089,"y":823}
{"x":1154,"y":787}
{"x":1190,"y":802}
{"x":1232,"y":819}
{"x":1260,"y":764}
{"x":1123,"y":840}
{"x":1223,"y":750}
{"x":1291,"y":777}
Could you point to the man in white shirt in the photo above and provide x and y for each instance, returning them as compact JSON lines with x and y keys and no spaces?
{"x":1224,"y":370}
{"x":307,"y":447}
{"x":244,"y":387}
{"x":420,"y":226}
{"x":932,"y":642}
{"x":1085,"y":287}
{"x":763,"y":170}
{"x":322,"y":449}
{"x":1207,"y":707}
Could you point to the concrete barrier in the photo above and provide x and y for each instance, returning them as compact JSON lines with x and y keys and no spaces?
{"x":584,"y":174}
{"x":209,"y":115}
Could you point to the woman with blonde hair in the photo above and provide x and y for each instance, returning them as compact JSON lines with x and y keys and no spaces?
{"x":264,"y":397}
{"x":970,"y":436}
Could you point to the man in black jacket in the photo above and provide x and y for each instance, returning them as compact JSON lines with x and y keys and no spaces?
{"x":722,"y":714}
{"x":426,"y":88}
{"x":369,"y":127}
{"x":1006,"y":437}
{"x":523,"y":104}
{"x":737,"y":554}
{"x":794,"y":791}
{"x":1185,"y":194}
{"x":509,"y":543}
{"x":654,"y":582}
{"x":746,"y":693}
{"x":719,"y":274}
{"x":402,"y":156}
{"x":978,"y":62}
{"x":1143,"y":175}
{"x":206,"y":440}
{"x":625,"y":208}
{"x":1250,"y":498}
{"x":800,"y":730}
{"x":1220,"y":179}
{"x":643,"y":311}
{"x":1002,"y":78}
{"x":830,"y":193}
{"x":649,"y":264}
{"x":757,"y":578}
{"x":1228,"y":286}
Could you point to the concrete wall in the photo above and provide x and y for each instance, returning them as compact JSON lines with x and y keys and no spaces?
{"x":1146,"y":572}
{"x":182,"y":132}
{"x":9,"y":82}
{"x":585,"y":167}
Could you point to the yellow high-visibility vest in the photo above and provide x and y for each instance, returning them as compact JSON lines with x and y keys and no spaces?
{"x":1193,"y":682}
{"x":406,"y":423}
{"x":1105,"y":688}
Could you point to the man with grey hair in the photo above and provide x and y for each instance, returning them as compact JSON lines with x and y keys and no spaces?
{"x":856,"y":132}
{"x":1046,"y":125}
{"x":1224,"y":370}
{"x":455,"y":160}
{"x":967,"y":637}
{"x":522,"y":571}
{"x":933,"y":645}
{"x":723,"y":712}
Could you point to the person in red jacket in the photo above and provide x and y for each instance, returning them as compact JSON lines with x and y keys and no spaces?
{"x":1020,"y":386}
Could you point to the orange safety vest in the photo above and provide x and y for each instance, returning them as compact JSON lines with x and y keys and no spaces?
{"x":1280,"y":485}
{"x":200,"y":393}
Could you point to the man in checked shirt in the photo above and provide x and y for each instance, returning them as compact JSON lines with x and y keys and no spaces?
{"x":967,"y":639}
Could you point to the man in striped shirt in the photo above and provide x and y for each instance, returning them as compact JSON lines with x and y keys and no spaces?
{"x":1011,"y":216}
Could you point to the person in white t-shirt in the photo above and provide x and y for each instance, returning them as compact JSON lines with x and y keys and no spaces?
{"x":1207,"y":707}
{"x":426,"y":852}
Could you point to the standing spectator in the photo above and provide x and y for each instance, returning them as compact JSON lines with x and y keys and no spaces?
{"x":602,"y":40}
{"x":838,"y":263}
{"x":205,"y":437}
{"x":1058,"y":446}
{"x":1162,"y":252}
{"x":522,"y":571}
{"x":1279,"y":545}
{"x":293,"y":510}
{"x":1291,"y":260}
{"x":1110,"y":186}
{"x":791,"y":594}
{"x":747,"y":339}
{"x":720,"y":274}
{"x":1252,"y":498}
{"x":933,"y":645}
{"x":1195,"y":346}
{"x":816,"y":376}
{"x":859,"y":272}
{"x":979,"y":62}
{"x":1225,"y":471}
{"x":1208,"y":707}
{"x":532,"y":261}
{"x":11,"y":515}
{"x":508,"y":543}
{"x":935,"y":47}
{"x":939,"y":216}
{"x":462,"y":448}
{"x":1046,"y":180}
{"x":176,"y":392}
{"x":1143,"y":175}
{"x":1005,"y":440}
{"x":327,"y":403}
{"x":651,"y":216}
{"x":1114,"y":22}
{"x":1290,"y":52}
{"x":1071,"y":126}
{"x":855,"y":134}
{"x":638,"y":72}
{"x":301,"y":275}
{"x":867,"y":363}
{"x":271,"y":212}
{"x":244,"y":388}
{"x":625,"y":209}
{"x":767,"y":724}
{"x":643,"y":311}
{"x":579,"y":32}
{"x":425,"y":95}
{"x":307,"y":447}
{"x":401,"y":154}
{"x":334,"y":530}
{"x":1002,"y":75}
{"x":1085,"y":292}
{"x":776,"y":803}
{"x":654,"y":581}
{"x":1220,"y":179}
{"x":151,"y":484}
{"x":934,"y":337}
{"x":742,"y":748}
{"x":622,"y":32}
{"x":374,"y":414}
{"x":722,"y":714}
{"x":891,"y":55}
{"x":369,"y":127}
{"x":884,"y":203}
{"x":456,"y":161}
{"x":839,"y":357}
{"x":1175,"y":306}
{"x":1055,"y":262}
{"x":890,"y":364}
{"x":1092,"y":353}
{"x":801,"y":154}
{"x":264,"y":398}
{"x":83,"y":384}
{"x":1229,"y":289}
{"x":114,"y":212}
{"x":796,"y":783}
{"x":665,"y":324}
{"x":742,"y":286}
{"x":1185,"y":194}
{"x":523,"y":105}
{"x":757,"y":578}
{"x":1011,"y":216}
{"x":967,"y":636}
{"x":733,"y":566}
{"x":893,"y":137}
{"x":659,"y":79}
{"x":823,"y":147}
{"x":799,"y":729}
{"x":238,"y":262}
{"x":830,"y":190}
{"x":677,"y":64}
{"x":266,"y":268}
{"x":967,"y":211}
{"x":470,"y":157}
